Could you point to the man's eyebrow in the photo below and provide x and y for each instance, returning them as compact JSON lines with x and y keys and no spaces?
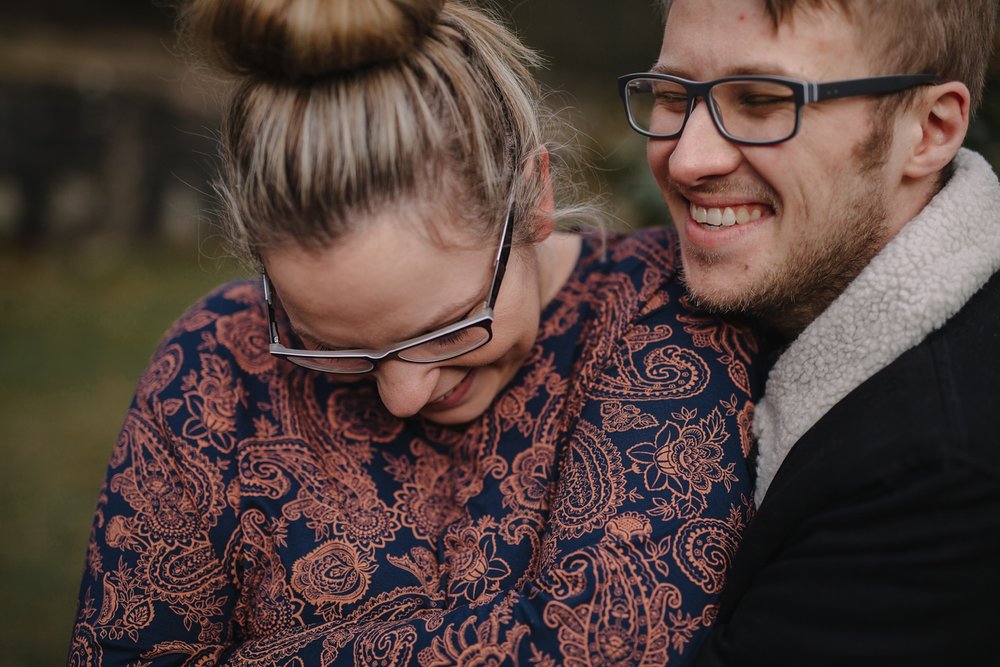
{"x":763,"y":69}
{"x":660,"y":68}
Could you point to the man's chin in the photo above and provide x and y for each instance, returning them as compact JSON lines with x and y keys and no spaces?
{"x":712,"y":297}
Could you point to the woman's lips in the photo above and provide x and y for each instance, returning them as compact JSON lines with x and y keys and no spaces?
{"x":454,"y":396}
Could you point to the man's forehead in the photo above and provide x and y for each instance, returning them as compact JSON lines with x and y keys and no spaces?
{"x":780,"y":11}
{"x":776,"y":13}
{"x":707,"y":39}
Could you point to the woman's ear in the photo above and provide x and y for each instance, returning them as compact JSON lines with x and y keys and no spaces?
{"x":543,"y":220}
{"x":940,"y":123}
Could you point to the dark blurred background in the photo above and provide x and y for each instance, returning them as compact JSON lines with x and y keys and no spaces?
{"x":106,"y":146}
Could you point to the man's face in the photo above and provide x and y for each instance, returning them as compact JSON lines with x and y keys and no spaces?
{"x":811,"y":212}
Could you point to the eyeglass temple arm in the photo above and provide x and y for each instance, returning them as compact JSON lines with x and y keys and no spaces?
{"x":502,"y":256}
{"x":817,"y":92}
{"x":272,"y":324}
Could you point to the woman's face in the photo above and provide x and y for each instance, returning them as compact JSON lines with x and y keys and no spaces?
{"x":389,"y":283}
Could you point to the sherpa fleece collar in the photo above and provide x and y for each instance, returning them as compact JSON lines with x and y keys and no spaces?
{"x":920,"y":279}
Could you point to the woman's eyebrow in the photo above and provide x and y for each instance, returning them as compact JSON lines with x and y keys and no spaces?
{"x":449,"y":315}
{"x":452,"y":313}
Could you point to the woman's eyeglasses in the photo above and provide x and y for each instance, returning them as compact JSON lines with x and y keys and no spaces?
{"x":452,"y":341}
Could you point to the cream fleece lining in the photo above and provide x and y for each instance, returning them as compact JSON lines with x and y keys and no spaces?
{"x":919,"y":280}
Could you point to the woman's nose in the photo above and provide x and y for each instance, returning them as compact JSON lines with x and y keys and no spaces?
{"x":405,"y":387}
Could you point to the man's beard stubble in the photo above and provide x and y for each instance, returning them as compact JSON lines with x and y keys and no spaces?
{"x":791,"y":296}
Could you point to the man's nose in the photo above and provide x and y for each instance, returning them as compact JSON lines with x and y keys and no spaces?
{"x":405,"y":387}
{"x":701,"y":152}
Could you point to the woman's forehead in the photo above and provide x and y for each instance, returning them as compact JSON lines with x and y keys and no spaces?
{"x":396,"y":279}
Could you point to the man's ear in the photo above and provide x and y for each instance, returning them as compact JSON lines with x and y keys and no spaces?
{"x":542,"y":216}
{"x":941,"y":122}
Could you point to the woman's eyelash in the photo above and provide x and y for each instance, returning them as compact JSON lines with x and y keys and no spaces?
{"x":452,"y":337}
{"x":316,"y":346}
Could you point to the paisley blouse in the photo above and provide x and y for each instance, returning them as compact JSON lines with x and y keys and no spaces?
{"x":257,"y":513}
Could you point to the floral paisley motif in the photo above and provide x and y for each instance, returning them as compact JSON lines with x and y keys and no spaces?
{"x":476,"y":643}
{"x":591,"y":483}
{"x":427,"y":495}
{"x":529,"y":484}
{"x":261,"y":466}
{"x":165,"y":510}
{"x":614,"y":626}
{"x":368,"y":521}
{"x":629,"y":526}
{"x":85,"y":650}
{"x":472,"y":559}
{"x":733,"y":344}
{"x":359,"y":413}
{"x":388,"y":647}
{"x":682,"y":372}
{"x":618,"y":417}
{"x":180,"y":572}
{"x":704,"y":549}
{"x":655,"y":373}
{"x":212,"y":404}
{"x":334,"y":573}
{"x":168,"y":511}
{"x":686,"y":451}
{"x":161,"y":372}
{"x":242,"y":334}
{"x":428,"y":510}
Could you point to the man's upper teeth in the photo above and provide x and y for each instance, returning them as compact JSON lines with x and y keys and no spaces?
{"x":724,"y":217}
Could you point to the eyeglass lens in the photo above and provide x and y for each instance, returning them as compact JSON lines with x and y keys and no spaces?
{"x":442,"y":347}
{"x":334,"y":364}
{"x":758,"y":111}
{"x":448,"y":345}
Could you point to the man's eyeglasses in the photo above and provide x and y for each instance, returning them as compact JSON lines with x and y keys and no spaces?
{"x":452,"y":341}
{"x":755,"y":110}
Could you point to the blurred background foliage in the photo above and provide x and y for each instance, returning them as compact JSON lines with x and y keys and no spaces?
{"x":106,"y":147}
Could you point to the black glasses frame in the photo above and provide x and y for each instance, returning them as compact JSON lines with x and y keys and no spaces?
{"x":804,"y":92}
{"x":482,"y":318}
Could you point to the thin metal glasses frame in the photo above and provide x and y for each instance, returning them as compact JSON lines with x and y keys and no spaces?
{"x":803,"y":92}
{"x":483,"y":318}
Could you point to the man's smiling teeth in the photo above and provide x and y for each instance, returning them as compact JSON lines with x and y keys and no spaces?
{"x":724,"y":217}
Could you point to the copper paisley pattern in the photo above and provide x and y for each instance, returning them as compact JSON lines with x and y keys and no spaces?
{"x":255,"y":513}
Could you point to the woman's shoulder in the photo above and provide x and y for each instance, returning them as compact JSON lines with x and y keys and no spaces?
{"x":632,"y":267}
{"x":226,"y":327}
{"x":242,"y":299}
{"x":634,"y":251}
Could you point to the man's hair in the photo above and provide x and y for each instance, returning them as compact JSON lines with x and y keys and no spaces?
{"x":950,"y":38}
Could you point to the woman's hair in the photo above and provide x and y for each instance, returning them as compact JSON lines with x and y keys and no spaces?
{"x":344,"y":109}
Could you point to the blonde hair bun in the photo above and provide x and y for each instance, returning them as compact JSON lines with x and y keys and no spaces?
{"x":300,"y":39}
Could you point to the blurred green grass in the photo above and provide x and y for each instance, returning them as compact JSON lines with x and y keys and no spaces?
{"x":76,"y":330}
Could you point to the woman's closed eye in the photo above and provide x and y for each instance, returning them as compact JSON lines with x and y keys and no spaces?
{"x":454,"y":337}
